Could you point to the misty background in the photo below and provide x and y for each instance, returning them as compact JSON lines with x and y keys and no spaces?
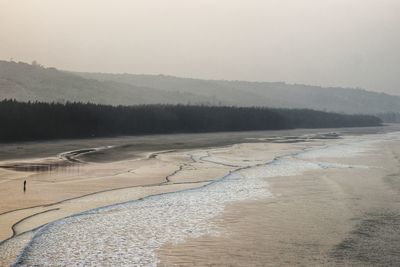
{"x":328,"y":43}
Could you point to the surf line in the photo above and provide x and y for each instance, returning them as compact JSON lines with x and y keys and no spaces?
{"x":166,"y":182}
{"x":70,"y":156}
{"x":158,"y":184}
{"x":14,"y":232}
{"x":208,"y":183}
{"x":92,"y":211}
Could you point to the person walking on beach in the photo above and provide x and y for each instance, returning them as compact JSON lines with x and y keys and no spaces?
{"x":24,"y":186}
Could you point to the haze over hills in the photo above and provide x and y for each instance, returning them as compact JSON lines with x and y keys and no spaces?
{"x":26,"y":82}
{"x":271,"y":94}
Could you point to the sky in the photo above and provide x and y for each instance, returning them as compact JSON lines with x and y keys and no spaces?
{"x":348,"y":43}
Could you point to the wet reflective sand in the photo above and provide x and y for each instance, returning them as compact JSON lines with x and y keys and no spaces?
{"x":329,"y":217}
{"x":181,"y":228}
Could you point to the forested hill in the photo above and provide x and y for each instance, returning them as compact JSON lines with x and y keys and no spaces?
{"x":267,"y":94}
{"x":27,"y":82}
{"x":35,"y":121}
{"x":32,"y":82}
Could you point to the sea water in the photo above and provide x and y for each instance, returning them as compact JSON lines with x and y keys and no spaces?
{"x":130,"y":234}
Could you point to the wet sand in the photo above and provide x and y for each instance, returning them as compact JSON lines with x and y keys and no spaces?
{"x":108,"y":177}
{"x":73,"y":188}
{"x":334,"y":217}
{"x":103,"y":166}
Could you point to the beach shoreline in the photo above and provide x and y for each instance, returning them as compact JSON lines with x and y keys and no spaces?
{"x":172,"y":170}
{"x":330,"y":217}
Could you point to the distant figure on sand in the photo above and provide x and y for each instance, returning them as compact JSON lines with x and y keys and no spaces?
{"x":24,"y":186}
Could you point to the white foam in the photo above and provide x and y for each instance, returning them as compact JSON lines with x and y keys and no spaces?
{"x":350,"y":148}
{"x":130,"y":234}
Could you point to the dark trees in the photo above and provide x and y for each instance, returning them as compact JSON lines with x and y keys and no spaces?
{"x":34,"y":121}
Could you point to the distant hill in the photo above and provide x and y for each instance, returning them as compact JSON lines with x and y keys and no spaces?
{"x":271,"y":94}
{"x":27,"y":82}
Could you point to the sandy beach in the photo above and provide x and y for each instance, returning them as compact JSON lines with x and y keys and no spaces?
{"x":330,"y":217}
{"x":275,"y":198}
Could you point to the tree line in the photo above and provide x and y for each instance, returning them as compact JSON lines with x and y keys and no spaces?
{"x":22,"y":121}
{"x":390,"y":117}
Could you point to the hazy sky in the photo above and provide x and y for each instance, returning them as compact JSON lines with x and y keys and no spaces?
{"x":353,"y":43}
